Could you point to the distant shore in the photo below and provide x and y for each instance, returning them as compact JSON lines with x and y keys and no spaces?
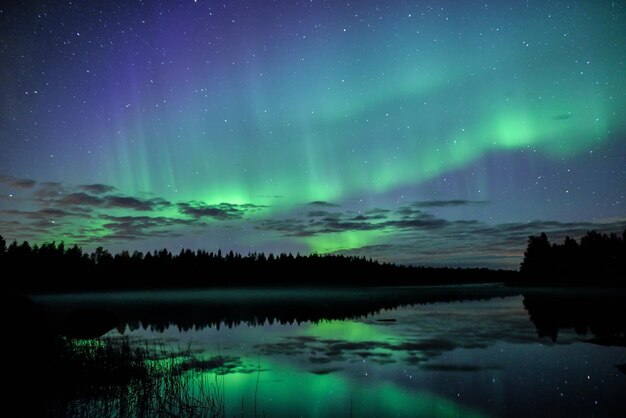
{"x":598,"y":260}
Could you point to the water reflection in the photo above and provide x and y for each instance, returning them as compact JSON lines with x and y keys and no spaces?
{"x":463,"y":351}
{"x":196,"y":309}
{"x":601,"y":314}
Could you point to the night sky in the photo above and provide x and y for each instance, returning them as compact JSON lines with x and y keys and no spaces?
{"x":438,"y":133}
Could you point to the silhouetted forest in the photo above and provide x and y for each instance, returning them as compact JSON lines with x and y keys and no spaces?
{"x":53,"y":267}
{"x":601,"y":316}
{"x":599,"y":259}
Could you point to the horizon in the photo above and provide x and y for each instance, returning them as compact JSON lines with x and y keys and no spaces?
{"x":563,"y":265}
{"x":406,"y":133}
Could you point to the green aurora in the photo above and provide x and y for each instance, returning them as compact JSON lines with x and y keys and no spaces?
{"x":271,"y":108}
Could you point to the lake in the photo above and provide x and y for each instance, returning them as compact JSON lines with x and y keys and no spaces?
{"x":466,"y":351}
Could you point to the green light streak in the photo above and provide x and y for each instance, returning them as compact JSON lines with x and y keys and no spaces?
{"x":286,"y":391}
{"x":332,"y":242}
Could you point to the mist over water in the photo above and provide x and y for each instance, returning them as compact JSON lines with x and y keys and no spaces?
{"x":460,"y":351}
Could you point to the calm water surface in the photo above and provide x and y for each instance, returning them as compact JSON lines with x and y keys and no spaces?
{"x":463,"y":351}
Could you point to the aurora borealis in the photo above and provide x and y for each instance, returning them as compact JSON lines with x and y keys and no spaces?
{"x":440,"y":133}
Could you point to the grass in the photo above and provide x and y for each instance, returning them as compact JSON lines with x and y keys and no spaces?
{"x":112,"y":377}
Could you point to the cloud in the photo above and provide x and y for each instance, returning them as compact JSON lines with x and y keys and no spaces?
{"x":327,"y":370}
{"x":446,"y":203}
{"x":453,"y":367}
{"x":49,"y":191}
{"x":318,"y":214}
{"x":17,"y":183}
{"x":407,"y":234}
{"x":80,"y":199}
{"x":202,"y":210}
{"x":47,"y":213}
{"x":323,"y":222}
{"x":422,"y":335}
{"x":415,"y":219}
{"x":98,"y":213}
{"x":323,"y":204}
{"x":377,"y":211}
{"x":411,"y":351}
{"x":329,"y":223}
{"x":134,"y":203}
{"x":222,"y":211}
{"x":93,"y":196}
{"x":290,"y":227}
{"x":474,"y":243}
{"x":97,"y":188}
{"x":137,"y":227}
{"x":410,"y":235}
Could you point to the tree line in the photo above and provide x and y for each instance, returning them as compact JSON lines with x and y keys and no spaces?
{"x":597,"y":259}
{"x":55,"y":267}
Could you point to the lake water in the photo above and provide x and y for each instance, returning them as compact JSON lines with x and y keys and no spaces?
{"x":474,"y":351}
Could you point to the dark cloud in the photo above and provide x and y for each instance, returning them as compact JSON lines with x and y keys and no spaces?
{"x":248,"y":206}
{"x":377,"y":212}
{"x":319,"y":223}
{"x":323,"y":222}
{"x":48,"y":213}
{"x":407,"y":234}
{"x":134,"y":203}
{"x":414,"y":351}
{"x":97,"y":188}
{"x":421,"y":335}
{"x":80,"y":199}
{"x":562,"y":116}
{"x":75,"y":204}
{"x":53,"y":213}
{"x":415,"y":219}
{"x":287,"y":227}
{"x":472,"y":243}
{"x":330,"y":225}
{"x":222,"y":211}
{"x":17,"y":183}
{"x":49,"y":190}
{"x":430,"y":345}
{"x":410,"y":235}
{"x":360,"y":218}
{"x":136,"y":227}
{"x":59,"y":195}
{"x":325,"y":371}
{"x":318,"y":214}
{"x":446,"y":203}
{"x":451,"y":367}
{"x":322,"y":203}
{"x":202,"y":210}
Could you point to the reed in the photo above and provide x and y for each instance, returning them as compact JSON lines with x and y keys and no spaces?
{"x":112,"y":377}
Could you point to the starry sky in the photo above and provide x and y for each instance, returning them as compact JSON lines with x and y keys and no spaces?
{"x":435,"y":133}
